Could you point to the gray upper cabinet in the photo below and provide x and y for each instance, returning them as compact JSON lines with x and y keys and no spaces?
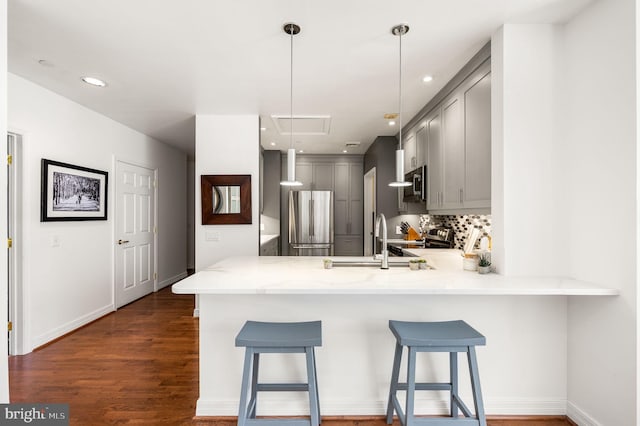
{"x":322,"y":177}
{"x":304,"y":174}
{"x":410,"y":156}
{"x":458,"y":147}
{"x":477,"y":184}
{"x":453,"y":153}
{"x":421,"y":146}
{"x":434,"y":159}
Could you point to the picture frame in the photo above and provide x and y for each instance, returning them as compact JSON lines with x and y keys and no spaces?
{"x":72,"y":193}
{"x":226,"y":199}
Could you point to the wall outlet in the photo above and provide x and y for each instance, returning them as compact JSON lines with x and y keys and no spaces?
{"x":398,"y":230}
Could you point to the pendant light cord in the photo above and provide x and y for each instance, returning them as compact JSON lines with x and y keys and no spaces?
{"x":401,"y":31}
{"x":291,"y":89}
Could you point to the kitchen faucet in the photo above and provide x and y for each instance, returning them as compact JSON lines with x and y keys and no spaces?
{"x":384,"y":264}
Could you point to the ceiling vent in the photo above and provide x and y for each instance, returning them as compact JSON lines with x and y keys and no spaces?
{"x":353,"y":144}
{"x":302,"y":124}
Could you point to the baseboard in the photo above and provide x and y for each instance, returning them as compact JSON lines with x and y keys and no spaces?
{"x":579,"y":417}
{"x":60,"y":331}
{"x":377,"y":418}
{"x":172,"y":280}
{"x":424,"y":406}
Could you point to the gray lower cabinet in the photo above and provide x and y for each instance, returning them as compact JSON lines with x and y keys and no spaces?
{"x":348,"y":204}
{"x":346,"y":245}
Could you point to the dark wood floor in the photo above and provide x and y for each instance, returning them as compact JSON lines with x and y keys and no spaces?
{"x":139,"y":365}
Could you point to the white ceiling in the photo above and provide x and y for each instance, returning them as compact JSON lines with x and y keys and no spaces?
{"x":166,"y":61}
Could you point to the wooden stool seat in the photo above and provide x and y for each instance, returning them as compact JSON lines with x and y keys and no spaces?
{"x":448,"y":336}
{"x":273,"y":337}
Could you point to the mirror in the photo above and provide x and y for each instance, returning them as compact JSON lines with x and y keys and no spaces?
{"x":226,"y":199}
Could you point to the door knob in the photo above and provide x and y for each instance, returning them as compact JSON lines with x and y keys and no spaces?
{"x":123,"y":241}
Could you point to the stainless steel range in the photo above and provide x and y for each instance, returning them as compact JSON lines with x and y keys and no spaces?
{"x":436,"y":238}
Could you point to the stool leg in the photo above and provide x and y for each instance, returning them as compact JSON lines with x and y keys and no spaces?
{"x":246,"y":381}
{"x":411,"y":387}
{"x":315,"y":376}
{"x":475,"y":385}
{"x":313,"y":387}
{"x":253,"y":402}
{"x":453,"y":376}
{"x":395,"y":372}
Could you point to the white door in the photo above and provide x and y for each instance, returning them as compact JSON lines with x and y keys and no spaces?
{"x":135,"y":232}
{"x":369,"y":211}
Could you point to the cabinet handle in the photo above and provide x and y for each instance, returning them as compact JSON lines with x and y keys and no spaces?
{"x":460,"y":195}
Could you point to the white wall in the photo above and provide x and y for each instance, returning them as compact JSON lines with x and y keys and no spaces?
{"x":227,"y":144}
{"x":598,"y":154}
{"x":565,"y":170}
{"x":70,"y":285}
{"x":4,"y":372}
{"x":522,"y":149}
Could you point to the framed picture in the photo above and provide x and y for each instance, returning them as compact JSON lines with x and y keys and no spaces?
{"x":72,"y":192}
{"x":226,"y":199}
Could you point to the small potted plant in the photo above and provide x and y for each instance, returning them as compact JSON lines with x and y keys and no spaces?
{"x":484,"y":265}
{"x":415,"y":264}
{"x":328,"y":263}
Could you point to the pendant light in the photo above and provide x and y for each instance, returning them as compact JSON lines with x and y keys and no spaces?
{"x":400,"y":30}
{"x":291,"y":29}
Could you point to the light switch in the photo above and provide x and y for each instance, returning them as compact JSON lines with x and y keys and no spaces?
{"x":212,"y":236}
{"x":262,"y":226}
{"x":398,"y":230}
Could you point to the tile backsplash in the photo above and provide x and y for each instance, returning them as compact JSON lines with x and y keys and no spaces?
{"x":461,"y":224}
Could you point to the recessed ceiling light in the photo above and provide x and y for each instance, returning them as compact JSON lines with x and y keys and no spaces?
{"x":94,"y":81}
{"x":301,"y":151}
{"x":392,"y":123}
{"x":273,"y":144}
{"x":427,"y":78}
{"x":344,"y":150}
{"x":263,"y":128}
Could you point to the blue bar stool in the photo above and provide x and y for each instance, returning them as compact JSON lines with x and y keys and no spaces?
{"x":273,"y":337}
{"x":448,"y":336}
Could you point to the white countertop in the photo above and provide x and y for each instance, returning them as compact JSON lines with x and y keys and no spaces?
{"x":399,"y":241}
{"x":306,"y":275}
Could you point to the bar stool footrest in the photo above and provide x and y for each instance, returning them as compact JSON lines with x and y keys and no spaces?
{"x":282,"y":387}
{"x":427,"y":386}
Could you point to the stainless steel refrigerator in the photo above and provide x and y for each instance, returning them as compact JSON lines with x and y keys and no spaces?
{"x":310,"y":223}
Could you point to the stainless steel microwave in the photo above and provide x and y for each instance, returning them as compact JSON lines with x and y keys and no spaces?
{"x":417,"y":191}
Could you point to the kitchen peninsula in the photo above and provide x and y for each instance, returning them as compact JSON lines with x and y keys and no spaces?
{"x":522,"y":368}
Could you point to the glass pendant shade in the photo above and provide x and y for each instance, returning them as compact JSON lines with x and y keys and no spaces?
{"x":291,"y":169}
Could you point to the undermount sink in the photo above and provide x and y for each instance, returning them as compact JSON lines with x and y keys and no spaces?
{"x":366,"y":261}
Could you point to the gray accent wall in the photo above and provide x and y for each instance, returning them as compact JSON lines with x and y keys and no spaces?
{"x":381,"y":155}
